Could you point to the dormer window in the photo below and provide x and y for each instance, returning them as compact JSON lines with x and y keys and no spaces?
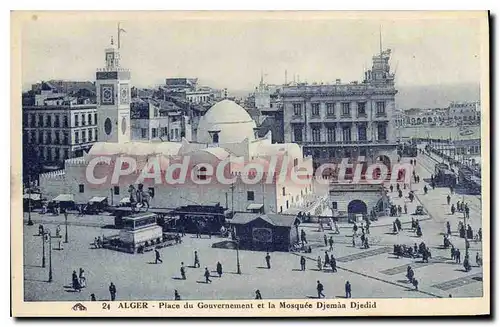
{"x":214,"y":136}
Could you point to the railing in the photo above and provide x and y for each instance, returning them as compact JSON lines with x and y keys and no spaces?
{"x":381,"y":114}
{"x":362,"y":115}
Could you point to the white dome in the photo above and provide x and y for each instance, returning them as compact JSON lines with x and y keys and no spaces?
{"x":232,"y":120}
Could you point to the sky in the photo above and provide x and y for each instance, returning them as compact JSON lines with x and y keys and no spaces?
{"x":231,"y":50}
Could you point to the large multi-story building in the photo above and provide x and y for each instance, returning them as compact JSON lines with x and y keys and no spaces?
{"x":58,"y":131}
{"x":341,"y":120}
{"x":465,"y":112}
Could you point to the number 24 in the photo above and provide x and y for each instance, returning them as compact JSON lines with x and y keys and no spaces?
{"x":106,"y":306}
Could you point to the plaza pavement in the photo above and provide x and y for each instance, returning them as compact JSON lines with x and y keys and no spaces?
{"x":373,"y":273}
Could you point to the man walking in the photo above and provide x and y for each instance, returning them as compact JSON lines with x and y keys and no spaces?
{"x":457,"y":256}
{"x":347,"y":290}
{"x":183,"y":271}
{"x":177,"y":297}
{"x":303,"y":237}
{"x":325,"y":239}
{"x":448,"y":199}
{"x":333,"y":263}
{"x":327,"y":259}
{"x":157,"y":256}
{"x":207,"y":276}
{"x":112,"y":291}
{"x":219,"y":269}
{"x":302,"y":263}
{"x":268,"y":260}
{"x":448,"y":228}
{"x":330,"y":241}
{"x":319,"y":288}
{"x":196,"y":260}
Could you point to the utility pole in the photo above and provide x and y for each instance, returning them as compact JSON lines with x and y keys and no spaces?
{"x":30,"y":222}
{"x":43,"y":249}
{"x":66,"y":225}
{"x":50,"y":256}
{"x":232,"y":200}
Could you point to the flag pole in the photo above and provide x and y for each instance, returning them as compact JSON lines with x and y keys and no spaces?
{"x":118,"y":36}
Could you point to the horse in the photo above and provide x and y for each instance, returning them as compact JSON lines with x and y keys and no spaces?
{"x":139,"y":198}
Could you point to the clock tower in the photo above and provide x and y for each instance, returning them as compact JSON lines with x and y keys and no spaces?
{"x":113,"y":99}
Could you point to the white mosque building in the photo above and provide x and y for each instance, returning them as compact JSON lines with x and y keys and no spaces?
{"x":225,"y":131}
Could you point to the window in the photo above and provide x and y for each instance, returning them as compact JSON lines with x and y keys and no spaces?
{"x":330,"y":134}
{"x":81,"y":188}
{"x":361,"y":109}
{"x":33,"y":137}
{"x":49,"y":121}
{"x":155,"y":113}
{"x":154,"y":132}
{"x":77,"y":137}
{"x":89,"y":119}
{"x":346,"y":109}
{"x":334,"y":205}
{"x":287,"y":204}
{"x":176,"y":133}
{"x":40,"y":137}
{"x":330,"y":109}
{"x":316,"y":134}
{"x":65,"y":121}
{"x":57,"y":138}
{"x":57,"y":121}
{"x":283,"y":191}
{"x":295,"y":162}
{"x":40,"y":120}
{"x":57,"y":154}
{"x":144,"y":133}
{"x":66,"y":154}
{"x":250,"y":196}
{"x":95,"y":118}
{"x":362,"y":133}
{"x":297,"y":109}
{"x":90,"y":136}
{"x":116,"y":190}
{"x":382,"y":132}
{"x":76,"y":120}
{"x":49,"y":137}
{"x":315,"y":109}
{"x":297,"y":133}
{"x":346,"y":134}
{"x":49,"y":154}
{"x":83,"y":119}
{"x":32,"y":120}
{"x":202,"y":173}
{"x":165,"y":131}
{"x":84,"y":137}
{"x":380,"y":107}
{"x":65,"y":138}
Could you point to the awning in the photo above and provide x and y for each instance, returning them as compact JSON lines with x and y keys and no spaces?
{"x":98,"y":199}
{"x":64,"y":198}
{"x":125,"y":200}
{"x":255,"y":206}
{"x":32,"y":196}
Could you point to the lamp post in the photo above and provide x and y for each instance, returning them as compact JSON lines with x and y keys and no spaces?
{"x":30,"y":222}
{"x":66,"y":226}
{"x":43,"y":249}
{"x":238,"y":268}
{"x":50,"y":255}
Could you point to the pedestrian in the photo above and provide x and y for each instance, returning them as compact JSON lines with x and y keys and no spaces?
{"x":99,"y":242}
{"x":60,"y":245}
{"x":58,"y":231}
{"x":448,"y":228}
{"x":405,"y":208}
{"x":452,"y":209}
{"x":355,"y":229}
{"x":327,"y":259}
{"x":258,"y":296}
{"x":302,"y":263}
{"x":319,"y":288}
{"x":177,"y":297}
{"x":40,"y":229}
{"x":157,"y":256}
{"x":365,"y":243}
{"x":448,"y":199}
{"x":425,"y":189}
{"x":112,"y":291}
{"x":325,"y":239}
{"x":303,"y":237}
{"x":82,"y":279}
{"x":320,"y":265}
{"x":347,"y":290}
{"x":207,"y":276}
{"x":409,"y":273}
{"x":479,"y":261}
{"x":452,"y":252}
{"x":196,"y":260}
{"x":268,"y":260}
{"x":330,"y":241}
{"x":183,"y":271}
{"x":219,"y":269}
{"x":333,"y":263}
{"x":391,"y":188}
{"x":92,"y":297}
{"x":458,"y":259}
{"x":96,"y":245}
{"x":353,"y":241}
{"x":337,"y":231}
{"x":480,"y":234}
{"x":415,"y":283}
{"x":76,"y":282}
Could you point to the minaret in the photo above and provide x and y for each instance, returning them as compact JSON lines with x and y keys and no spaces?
{"x":113,"y":99}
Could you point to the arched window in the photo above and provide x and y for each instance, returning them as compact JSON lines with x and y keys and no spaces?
{"x":216,"y":138}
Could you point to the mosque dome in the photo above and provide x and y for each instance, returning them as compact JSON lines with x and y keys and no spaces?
{"x":232,"y":120}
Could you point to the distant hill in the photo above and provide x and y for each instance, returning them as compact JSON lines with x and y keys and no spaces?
{"x":430,"y":96}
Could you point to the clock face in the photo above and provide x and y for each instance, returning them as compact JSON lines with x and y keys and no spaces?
{"x":124,"y":94}
{"x":107,"y":94}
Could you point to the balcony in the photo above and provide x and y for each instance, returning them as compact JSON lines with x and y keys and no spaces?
{"x":381,"y":114}
{"x":362,"y":115}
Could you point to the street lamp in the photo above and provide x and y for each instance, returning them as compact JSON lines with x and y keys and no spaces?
{"x":66,"y":226}
{"x":43,"y":249}
{"x":30,"y":222}
{"x":238,"y":268}
{"x":50,"y":255}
